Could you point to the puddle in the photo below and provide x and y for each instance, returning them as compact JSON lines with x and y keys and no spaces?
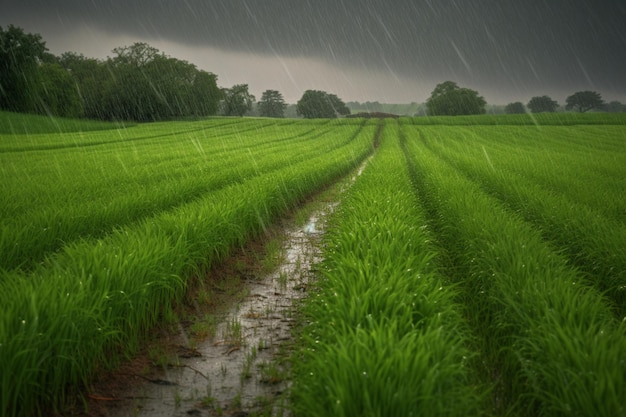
{"x":239,"y":367}
{"x":238,"y":371}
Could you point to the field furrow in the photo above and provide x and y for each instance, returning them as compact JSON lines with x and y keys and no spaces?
{"x":67,"y":201}
{"x":592,"y":241}
{"x":552,"y":345}
{"x":73,"y":312}
{"x":385,"y":336}
{"x":475,"y":265}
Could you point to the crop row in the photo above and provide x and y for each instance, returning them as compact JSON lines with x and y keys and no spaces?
{"x":549,"y":341}
{"x":383,"y":334}
{"x":50,"y":198}
{"x":94,"y":300}
{"x":590,"y":232}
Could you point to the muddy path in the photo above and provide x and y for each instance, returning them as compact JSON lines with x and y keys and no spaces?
{"x":228,"y":353}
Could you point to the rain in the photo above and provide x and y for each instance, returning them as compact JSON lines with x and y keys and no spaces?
{"x":368,"y":53}
{"x":506,"y":50}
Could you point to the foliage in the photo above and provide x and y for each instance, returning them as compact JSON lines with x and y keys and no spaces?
{"x":316,"y":104}
{"x":541,"y":104}
{"x":448,"y":99}
{"x":537,"y":119}
{"x":91,"y":78}
{"x":20,"y":55}
{"x":584,"y":101}
{"x":272,"y":104}
{"x":145,"y":84}
{"x":137,"y":83}
{"x":58,"y":95}
{"x":338,"y":105}
{"x":515,"y":108}
{"x":237,"y":100}
{"x":615,"y":107}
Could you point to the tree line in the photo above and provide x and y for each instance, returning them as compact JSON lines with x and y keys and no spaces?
{"x":143,"y":84}
{"x":137,"y":83}
{"x":451,"y":100}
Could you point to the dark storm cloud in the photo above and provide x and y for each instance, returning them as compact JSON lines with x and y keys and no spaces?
{"x":494,"y":44}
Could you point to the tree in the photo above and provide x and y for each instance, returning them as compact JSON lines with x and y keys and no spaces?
{"x":272,"y":104}
{"x":448,"y":99}
{"x":206,"y":94}
{"x":237,"y":100}
{"x":316,"y":104}
{"x":145,"y":84}
{"x":90,"y":78}
{"x":515,"y":108}
{"x":615,"y":107}
{"x":542,"y":104}
{"x":338,"y":105}
{"x":20,"y":56}
{"x":138,"y":54}
{"x":57,"y":94}
{"x":584,"y":101}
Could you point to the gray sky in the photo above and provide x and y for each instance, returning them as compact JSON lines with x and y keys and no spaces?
{"x":392,"y":51}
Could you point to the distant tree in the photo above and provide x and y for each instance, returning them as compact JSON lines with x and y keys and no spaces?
{"x":338,"y":105}
{"x":272,"y":104}
{"x":90,"y":78}
{"x":615,"y":107}
{"x":20,"y":56}
{"x":515,"y":108}
{"x":137,"y":55}
{"x":206,"y":95}
{"x":145,"y":84}
{"x":584,"y":101}
{"x":540,"y":104}
{"x":237,"y":100}
{"x":57,"y":93}
{"x":374,"y":106}
{"x":448,"y":99}
{"x":494,"y":109}
{"x":291,"y":111}
{"x":316,"y":104}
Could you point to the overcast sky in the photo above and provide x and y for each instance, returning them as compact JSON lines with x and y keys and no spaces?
{"x":392,"y":51}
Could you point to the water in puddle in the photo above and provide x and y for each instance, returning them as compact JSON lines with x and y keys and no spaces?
{"x":236,"y":372}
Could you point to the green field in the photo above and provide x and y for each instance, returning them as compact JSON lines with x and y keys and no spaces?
{"x":476,"y":267}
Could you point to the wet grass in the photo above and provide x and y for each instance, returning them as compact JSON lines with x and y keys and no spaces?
{"x":29,"y":124}
{"x":381,"y":314}
{"x":472,"y":269}
{"x":551,"y":343}
{"x":564,"y":193}
{"x":86,"y":306}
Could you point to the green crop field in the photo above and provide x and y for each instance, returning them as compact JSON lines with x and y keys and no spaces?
{"x":477,"y":266}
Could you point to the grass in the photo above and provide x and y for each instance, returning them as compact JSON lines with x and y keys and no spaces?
{"x":564,"y":193}
{"x":25,"y":124}
{"x":553,"y":346}
{"x":54,"y":197}
{"x":381,"y":315}
{"x":475,"y":266}
{"x":96,"y":298}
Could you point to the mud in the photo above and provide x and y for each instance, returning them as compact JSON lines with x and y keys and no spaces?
{"x":240,"y":366}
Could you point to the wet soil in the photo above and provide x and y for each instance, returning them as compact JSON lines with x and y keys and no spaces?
{"x":228,"y":353}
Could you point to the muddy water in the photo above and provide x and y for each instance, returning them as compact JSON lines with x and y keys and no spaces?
{"x":241,"y":369}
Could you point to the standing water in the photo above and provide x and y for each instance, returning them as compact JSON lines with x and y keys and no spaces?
{"x":241,"y":369}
